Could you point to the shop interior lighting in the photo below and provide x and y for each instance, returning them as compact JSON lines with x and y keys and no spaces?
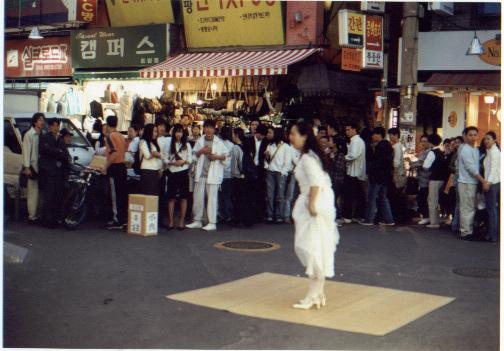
{"x":213,"y":86}
{"x":475,"y":48}
{"x":489,"y":99}
{"x":171,"y":87}
{"x":199,"y":102}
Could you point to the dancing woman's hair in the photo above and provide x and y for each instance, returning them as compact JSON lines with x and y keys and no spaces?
{"x":313,"y":144}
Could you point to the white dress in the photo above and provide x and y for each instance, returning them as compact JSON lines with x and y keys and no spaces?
{"x":316,"y":238}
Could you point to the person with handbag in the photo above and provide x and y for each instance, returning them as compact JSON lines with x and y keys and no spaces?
{"x":178,"y":159}
{"x":30,"y":155}
{"x":151,"y":163}
{"x":437,"y":163}
{"x":277,"y":165}
{"x":379,"y":174}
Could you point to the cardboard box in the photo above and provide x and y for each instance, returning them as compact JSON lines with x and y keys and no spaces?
{"x":142,"y":215}
{"x":98,"y":162}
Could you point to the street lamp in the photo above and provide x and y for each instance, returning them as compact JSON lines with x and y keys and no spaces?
{"x":475,"y":48}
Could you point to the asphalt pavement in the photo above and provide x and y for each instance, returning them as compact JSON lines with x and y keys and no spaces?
{"x":91,"y":288}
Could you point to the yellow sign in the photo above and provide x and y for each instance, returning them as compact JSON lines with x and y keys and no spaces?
{"x":355,"y":23}
{"x":123,"y":13}
{"x":351,"y":26}
{"x":491,"y":52}
{"x":212,"y":23}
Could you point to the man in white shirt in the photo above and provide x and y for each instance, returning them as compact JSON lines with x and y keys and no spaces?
{"x":354,"y":198}
{"x":211,"y":154}
{"x":30,"y":164}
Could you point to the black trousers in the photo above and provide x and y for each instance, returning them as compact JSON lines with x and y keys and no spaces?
{"x":149,"y":182}
{"x":354,"y":198}
{"x":423,"y":206}
{"x":117,"y":171}
{"x":52,"y":187}
{"x":241,"y":195}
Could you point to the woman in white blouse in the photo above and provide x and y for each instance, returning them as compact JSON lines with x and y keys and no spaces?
{"x":277,"y":165}
{"x":178,"y":159}
{"x":151,"y":163}
{"x":314,"y":214}
{"x":491,"y":187}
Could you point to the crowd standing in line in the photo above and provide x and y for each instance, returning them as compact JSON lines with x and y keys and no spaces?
{"x":223,"y":174}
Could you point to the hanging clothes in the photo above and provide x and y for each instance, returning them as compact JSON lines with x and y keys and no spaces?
{"x":125,"y":111}
{"x":52,"y":106}
{"x":73,"y":102}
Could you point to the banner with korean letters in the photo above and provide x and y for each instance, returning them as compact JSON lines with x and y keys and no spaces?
{"x":372,"y":55}
{"x":138,"y":46}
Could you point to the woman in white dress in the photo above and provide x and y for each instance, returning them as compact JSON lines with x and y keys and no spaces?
{"x":314,"y":214}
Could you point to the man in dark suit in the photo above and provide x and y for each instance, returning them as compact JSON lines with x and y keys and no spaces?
{"x":256,"y":147}
{"x":52,"y":163}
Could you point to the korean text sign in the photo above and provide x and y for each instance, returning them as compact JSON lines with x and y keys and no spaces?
{"x":351,"y":28}
{"x":87,"y":11}
{"x":48,"y":57}
{"x":135,"y":13}
{"x":214,"y":23}
{"x":373,"y":53}
{"x":139,"y":46}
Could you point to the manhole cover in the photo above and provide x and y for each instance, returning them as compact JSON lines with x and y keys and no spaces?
{"x":256,"y":246}
{"x":477,"y":272}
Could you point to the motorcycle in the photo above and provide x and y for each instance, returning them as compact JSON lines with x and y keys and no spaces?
{"x":75,"y":204}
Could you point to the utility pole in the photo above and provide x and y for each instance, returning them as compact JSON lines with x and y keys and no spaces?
{"x":409,"y":65}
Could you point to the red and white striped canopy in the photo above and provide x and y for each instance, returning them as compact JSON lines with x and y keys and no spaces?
{"x":227,"y":64}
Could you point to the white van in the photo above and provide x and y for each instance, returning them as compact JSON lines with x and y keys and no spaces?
{"x":15,"y":127}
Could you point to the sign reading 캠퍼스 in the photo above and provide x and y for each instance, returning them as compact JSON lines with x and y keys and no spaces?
{"x":48,"y":57}
{"x":139,"y":46}
{"x":214,"y":23}
{"x":351,"y":28}
{"x":373,"y":43}
{"x":124,"y":13}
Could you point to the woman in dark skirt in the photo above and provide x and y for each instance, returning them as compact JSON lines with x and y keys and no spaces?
{"x":179,"y":159}
{"x":151,"y":163}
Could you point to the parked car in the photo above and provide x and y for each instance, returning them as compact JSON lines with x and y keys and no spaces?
{"x":15,"y":126}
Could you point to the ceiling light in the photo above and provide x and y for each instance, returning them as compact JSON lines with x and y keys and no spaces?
{"x":35,"y":34}
{"x":475,"y":48}
{"x":171,"y":87}
{"x":213,"y":86}
{"x":489,"y":99}
{"x":199,"y":102}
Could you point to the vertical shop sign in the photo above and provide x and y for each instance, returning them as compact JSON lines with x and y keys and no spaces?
{"x":139,"y":46}
{"x":351,"y":59}
{"x":351,"y":28}
{"x":87,"y":11}
{"x":373,"y":45}
{"x":48,"y":57}
{"x":214,"y":23}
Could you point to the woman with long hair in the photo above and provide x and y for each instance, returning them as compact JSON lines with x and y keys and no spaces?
{"x":277,"y":165}
{"x":179,"y":159}
{"x":314,"y":214}
{"x":491,"y":188}
{"x":150,"y":161}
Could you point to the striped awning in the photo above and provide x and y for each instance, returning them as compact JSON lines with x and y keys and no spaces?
{"x":227,"y":64}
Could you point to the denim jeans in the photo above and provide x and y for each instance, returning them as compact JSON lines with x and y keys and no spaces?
{"x":225,"y":200}
{"x":491,"y":202}
{"x":275,"y":195}
{"x":378,"y":192}
{"x":290,"y":194}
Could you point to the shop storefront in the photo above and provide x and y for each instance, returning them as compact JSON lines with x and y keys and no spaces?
{"x":469,"y":85}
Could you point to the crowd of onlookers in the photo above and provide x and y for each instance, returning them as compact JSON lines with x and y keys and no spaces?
{"x":218,"y":173}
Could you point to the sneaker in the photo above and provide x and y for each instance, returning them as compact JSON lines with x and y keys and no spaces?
{"x":210,"y":227}
{"x":432,"y":226}
{"x":424,"y":221}
{"x":357,"y":220}
{"x":114,"y":226}
{"x":387,"y":224}
{"x":194,"y":225}
{"x":269,"y":221}
{"x":346,"y":221}
{"x":279,"y":221}
{"x":366,"y":223}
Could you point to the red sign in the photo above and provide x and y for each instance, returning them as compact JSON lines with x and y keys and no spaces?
{"x":374,"y":33}
{"x":48,"y":57}
{"x":351,"y":59}
{"x":87,"y":11}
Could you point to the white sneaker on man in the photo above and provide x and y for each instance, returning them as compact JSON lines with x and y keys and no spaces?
{"x":346,"y":221}
{"x":210,"y":227}
{"x":424,"y":221}
{"x":195,"y":225}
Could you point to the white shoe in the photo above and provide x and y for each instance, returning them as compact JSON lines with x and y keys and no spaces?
{"x":323,"y":299}
{"x":387,"y":224}
{"x":195,"y":225}
{"x":308,"y":303}
{"x":346,"y":221}
{"x":424,"y":221}
{"x":210,"y":227}
{"x":433,"y":226}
